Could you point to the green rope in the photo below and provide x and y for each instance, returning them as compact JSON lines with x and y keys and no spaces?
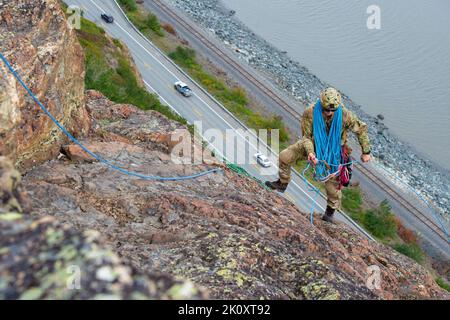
{"x":241,"y":171}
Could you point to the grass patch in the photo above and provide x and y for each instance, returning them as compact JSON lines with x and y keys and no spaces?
{"x":380,"y":221}
{"x":411,"y":250}
{"x":109,"y":71}
{"x":145,"y":21}
{"x":129,"y":5}
{"x":444,"y":285}
{"x":352,"y":202}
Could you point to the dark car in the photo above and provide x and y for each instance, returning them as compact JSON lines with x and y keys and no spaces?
{"x":108,"y":18}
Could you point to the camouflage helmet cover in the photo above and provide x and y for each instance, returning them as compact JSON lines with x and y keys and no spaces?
{"x":330,"y":96}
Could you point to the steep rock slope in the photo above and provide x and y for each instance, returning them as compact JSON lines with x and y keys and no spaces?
{"x":223,"y":231}
{"x":34,"y":35}
{"x":42,"y":258}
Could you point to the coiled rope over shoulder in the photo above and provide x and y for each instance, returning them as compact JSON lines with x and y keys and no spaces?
{"x":327,"y":144}
{"x":97,"y":157}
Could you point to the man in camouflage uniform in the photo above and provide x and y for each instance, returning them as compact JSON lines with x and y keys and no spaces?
{"x":330,"y":100}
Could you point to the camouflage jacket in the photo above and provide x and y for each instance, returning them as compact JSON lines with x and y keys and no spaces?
{"x":350,"y":122}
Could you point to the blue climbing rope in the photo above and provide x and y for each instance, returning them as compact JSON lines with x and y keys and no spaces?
{"x":327,"y":145}
{"x":312,"y":188}
{"x":97,"y":157}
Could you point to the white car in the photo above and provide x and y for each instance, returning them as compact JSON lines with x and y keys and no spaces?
{"x":262,"y":160}
{"x":182,"y":88}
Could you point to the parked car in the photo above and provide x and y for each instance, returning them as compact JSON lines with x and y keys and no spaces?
{"x":107,"y":17}
{"x":262,"y":160}
{"x":182,"y":88}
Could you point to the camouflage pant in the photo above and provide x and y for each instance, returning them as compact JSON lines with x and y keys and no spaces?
{"x":298,"y":151}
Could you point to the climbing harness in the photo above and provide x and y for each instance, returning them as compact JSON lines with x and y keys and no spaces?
{"x":97,"y":157}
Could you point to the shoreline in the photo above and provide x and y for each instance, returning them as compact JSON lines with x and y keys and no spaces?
{"x":422,"y":174}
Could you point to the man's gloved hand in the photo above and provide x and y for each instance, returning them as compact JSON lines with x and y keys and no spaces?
{"x":312,"y":158}
{"x":365,"y":157}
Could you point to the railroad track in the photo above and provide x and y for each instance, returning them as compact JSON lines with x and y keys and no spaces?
{"x":279,"y":101}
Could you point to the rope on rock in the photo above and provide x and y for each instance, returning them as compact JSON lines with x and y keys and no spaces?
{"x":95,"y":156}
{"x":241,"y":171}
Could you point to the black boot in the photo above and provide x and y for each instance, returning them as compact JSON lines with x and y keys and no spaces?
{"x":328,"y":216}
{"x":277,"y":185}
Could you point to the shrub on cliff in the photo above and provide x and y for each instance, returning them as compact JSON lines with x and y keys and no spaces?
{"x":381,"y":222}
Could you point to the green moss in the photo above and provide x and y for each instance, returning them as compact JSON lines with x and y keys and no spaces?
{"x":54,"y":236}
{"x":225,"y":273}
{"x":234,"y":276}
{"x":67,"y":253}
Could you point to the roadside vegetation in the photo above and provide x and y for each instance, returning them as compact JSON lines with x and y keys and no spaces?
{"x":382,"y":224}
{"x":145,"y":21}
{"x":109,"y":70}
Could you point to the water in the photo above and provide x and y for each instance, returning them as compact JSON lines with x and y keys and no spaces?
{"x":401,"y":70}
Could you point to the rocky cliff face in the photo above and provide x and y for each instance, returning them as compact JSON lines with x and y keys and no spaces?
{"x":223,"y":231}
{"x":42,"y":258}
{"x":130,"y":238}
{"x":35,"y":37}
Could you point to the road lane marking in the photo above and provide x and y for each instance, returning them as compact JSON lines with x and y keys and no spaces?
{"x":290,"y":198}
{"x":170,"y":72}
{"x":197,"y":112}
